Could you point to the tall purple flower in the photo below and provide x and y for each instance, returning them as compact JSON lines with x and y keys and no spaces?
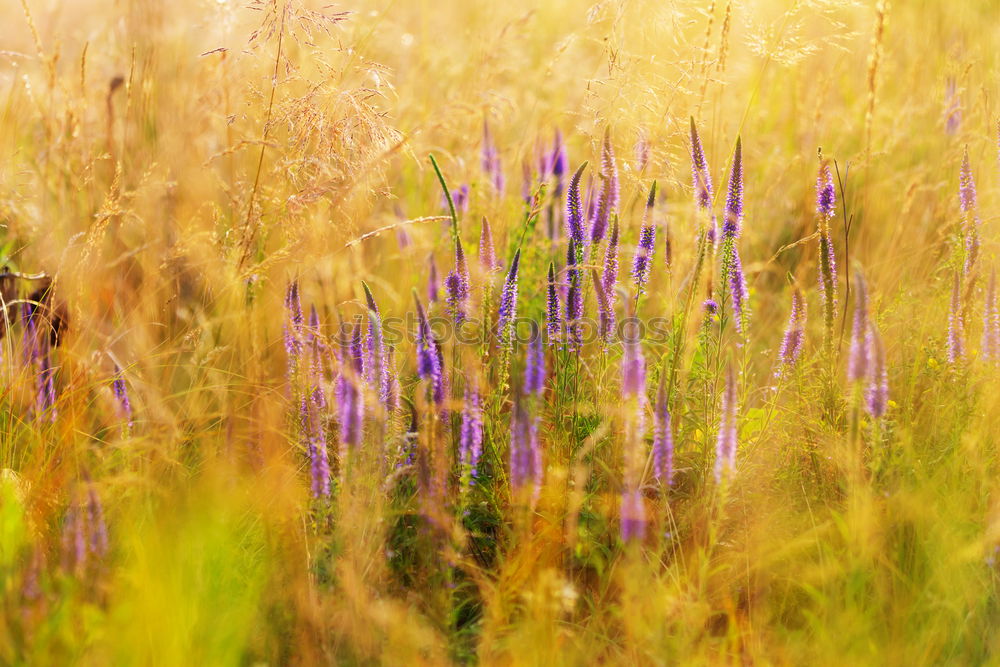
{"x":733,"y":222}
{"x":525,"y":452}
{"x":732,"y":266}
{"x":956,"y":323}
{"x":970,"y":219}
{"x":857,"y":362}
{"x":633,"y":515}
{"x":795,"y":333}
{"x":725,"y":446}
{"x":428,"y":360}
{"x":574,"y":212}
{"x":663,"y":439}
{"x":319,"y":463}
{"x":121,"y":395}
{"x":991,"y":324}
{"x":559,"y":163}
{"x":375,"y":360}
{"x":633,"y":369}
{"x":470,"y":444}
{"x":457,"y":285}
{"x":350,"y":400}
{"x":487,"y":253}
{"x":607,"y":200}
{"x":552,"y":320}
{"x":534,"y":370}
{"x":825,"y":204}
{"x":609,"y":285}
{"x":293,"y":328}
{"x":702,"y":178}
{"x":647,"y":245}
{"x":574,"y":295}
{"x":877,"y":392}
{"x":491,"y":160}
{"x":508,"y":303}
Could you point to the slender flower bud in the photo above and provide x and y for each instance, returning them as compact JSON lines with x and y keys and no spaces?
{"x":319,"y":463}
{"x":457,"y":285}
{"x":795,"y":332}
{"x":607,"y":201}
{"x":574,"y":296}
{"x":700,"y":174}
{"x":991,"y":324}
{"x":877,"y":392}
{"x":487,"y":254}
{"x":293,"y":328}
{"x":534,"y":371}
{"x":733,"y":221}
{"x":956,"y":323}
{"x":647,"y":245}
{"x":375,"y":353}
{"x":552,"y":320}
{"x":663,"y":439}
{"x":471,"y":434}
{"x":428,"y":360}
{"x":508,"y":304}
{"x":732,"y":270}
{"x":825,"y":203}
{"x":574,"y":212}
{"x":725,"y":447}
{"x":121,"y":395}
{"x":857,"y":362}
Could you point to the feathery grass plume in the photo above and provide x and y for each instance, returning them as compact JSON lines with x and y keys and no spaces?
{"x":559,"y":163}
{"x":574,"y":212}
{"x":491,"y":159}
{"x":633,"y":515}
{"x":120,"y":392}
{"x":534,"y":370}
{"x":470,"y":441}
{"x":609,"y":285}
{"x":825,"y":205}
{"x":292,"y":328}
{"x":956,"y":323}
{"x":552,"y":320}
{"x":433,"y":288}
{"x":991,"y":324}
{"x":702,"y":178}
{"x":429,"y":366}
{"x":508,"y":304}
{"x":860,"y":354}
{"x":877,"y":391}
{"x":457,"y":285}
{"x":487,"y":253}
{"x":646,"y":248}
{"x":795,"y":332}
{"x":607,"y":200}
{"x":525,"y":452}
{"x":663,"y":439}
{"x":725,"y":445}
{"x":970,"y":218}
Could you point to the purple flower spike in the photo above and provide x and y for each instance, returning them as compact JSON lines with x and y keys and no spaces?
{"x":457,"y":285}
{"x":552,"y":320}
{"x":970,"y":219}
{"x":825,"y":203}
{"x":293,"y":328}
{"x":375,"y":360}
{"x":700,"y":174}
{"x":725,"y":446}
{"x":956,"y":323}
{"x":525,"y":452}
{"x":609,"y":284}
{"x":966,"y":185}
{"x":471,"y":434}
{"x":428,"y":360}
{"x":607,"y":201}
{"x":633,"y":515}
{"x":121,"y":394}
{"x":663,"y":439}
{"x":877,"y":392}
{"x":574,"y":212}
{"x":826,"y":195}
{"x":350,"y":400}
{"x":647,"y":245}
{"x":633,"y":369}
{"x":991,"y":324}
{"x":857,"y":363}
{"x":733,"y":273}
{"x":733,"y":221}
{"x":534,"y":371}
{"x":491,"y":160}
{"x":508,"y":303}
{"x":559,"y":163}
{"x":487,"y":254}
{"x":795,"y":332}
{"x":574,"y":295}
{"x":319,"y":463}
